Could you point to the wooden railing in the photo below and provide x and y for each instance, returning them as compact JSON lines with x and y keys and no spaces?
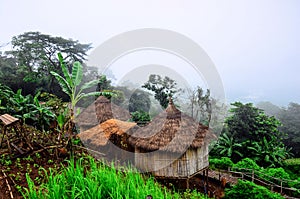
{"x":274,"y":184}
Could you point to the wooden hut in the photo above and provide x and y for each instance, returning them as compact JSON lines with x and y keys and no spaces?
{"x":111,"y":139}
{"x":100,"y":111}
{"x":173,"y":145}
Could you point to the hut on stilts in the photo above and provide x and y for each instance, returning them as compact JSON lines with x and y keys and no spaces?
{"x":172,"y":146}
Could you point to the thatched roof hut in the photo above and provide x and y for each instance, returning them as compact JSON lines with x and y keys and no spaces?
{"x":172,"y":145}
{"x":110,"y":138}
{"x":100,"y":111}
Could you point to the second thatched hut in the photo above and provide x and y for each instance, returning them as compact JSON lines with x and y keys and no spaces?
{"x":173,"y":145}
{"x":109,"y":140}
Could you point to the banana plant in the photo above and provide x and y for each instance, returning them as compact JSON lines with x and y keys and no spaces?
{"x":41,"y":114}
{"x":70,"y":84}
{"x":71,"y":81}
{"x":228,"y":147}
{"x":268,"y":153}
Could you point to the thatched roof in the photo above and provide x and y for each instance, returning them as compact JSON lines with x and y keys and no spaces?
{"x":170,"y":131}
{"x":100,"y":134}
{"x":100,"y":111}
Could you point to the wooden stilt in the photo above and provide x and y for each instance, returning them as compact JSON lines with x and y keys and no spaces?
{"x":187,"y":183}
{"x":206,"y":178}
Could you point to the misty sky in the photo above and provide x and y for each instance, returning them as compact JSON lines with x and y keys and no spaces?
{"x":254,"y":44}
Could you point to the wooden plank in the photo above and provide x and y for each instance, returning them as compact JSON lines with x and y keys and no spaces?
{"x":8,"y":119}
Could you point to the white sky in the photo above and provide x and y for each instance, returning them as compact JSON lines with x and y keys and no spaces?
{"x":255,"y":44}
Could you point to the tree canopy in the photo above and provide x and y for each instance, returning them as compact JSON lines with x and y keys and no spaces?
{"x":32,"y":58}
{"x":163,"y":88}
{"x":139,"y":101}
{"x":290,"y":118}
{"x":251,"y":133}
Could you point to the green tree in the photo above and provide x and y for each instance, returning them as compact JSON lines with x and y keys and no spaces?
{"x":163,"y":88}
{"x":290,"y":118}
{"x":103,"y":83}
{"x":139,"y":101}
{"x":201,"y":104}
{"x":35,"y":55}
{"x":250,"y":123}
{"x":10,"y":74}
{"x":257,"y":134}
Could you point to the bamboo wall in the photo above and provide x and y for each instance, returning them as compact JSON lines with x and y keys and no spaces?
{"x":161,"y":164}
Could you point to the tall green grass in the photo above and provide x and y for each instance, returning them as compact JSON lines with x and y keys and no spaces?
{"x":87,"y":178}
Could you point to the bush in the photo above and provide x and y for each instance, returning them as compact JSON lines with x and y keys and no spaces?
{"x":278,"y":173}
{"x":247,"y":163}
{"x":222,"y":163}
{"x":140,"y":116}
{"x":292,"y":166}
{"x":247,"y":189}
{"x":295,"y":184}
{"x":272,"y":173}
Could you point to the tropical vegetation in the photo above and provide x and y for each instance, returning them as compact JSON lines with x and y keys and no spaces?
{"x":44,"y":83}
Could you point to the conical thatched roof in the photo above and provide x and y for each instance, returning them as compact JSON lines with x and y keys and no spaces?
{"x":100,"y":134}
{"x":170,"y":131}
{"x":100,"y":111}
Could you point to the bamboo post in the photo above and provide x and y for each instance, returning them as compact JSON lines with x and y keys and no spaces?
{"x":252,"y":175}
{"x":187,"y":183}
{"x":206,"y":179}
{"x":280,"y":186}
{"x":204,"y":182}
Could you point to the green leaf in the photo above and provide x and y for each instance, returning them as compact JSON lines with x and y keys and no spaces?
{"x":35,"y":99}
{"x":223,"y":151}
{"x":64,"y":69}
{"x":60,"y":120}
{"x":77,"y":73}
{"x":229,"y":152}
{"x":89,"y":84}
{"x":83,"y":95}
{"x":240,"y":154}
{"x":63,"y":83}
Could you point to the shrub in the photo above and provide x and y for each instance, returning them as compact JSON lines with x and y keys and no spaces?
{"x":272,"y":173}
{"x":247,"y":163}
{"x":292,"y":166}
{"x":278,"y":173}
{"x":295,"y":184}
{"x":140,"y":116}
{"x":247,"y":189}
{"x":222,"y":163}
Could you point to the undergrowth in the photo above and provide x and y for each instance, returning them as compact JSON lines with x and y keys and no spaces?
{"x":87,"y":178}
